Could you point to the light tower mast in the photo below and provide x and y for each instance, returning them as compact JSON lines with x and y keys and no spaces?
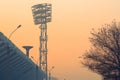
{"x":42,"y":15}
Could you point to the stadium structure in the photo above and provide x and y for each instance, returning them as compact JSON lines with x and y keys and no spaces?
{"x":15,"y":65}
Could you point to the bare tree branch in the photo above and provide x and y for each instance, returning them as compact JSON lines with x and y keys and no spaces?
{"x":104,"y":57}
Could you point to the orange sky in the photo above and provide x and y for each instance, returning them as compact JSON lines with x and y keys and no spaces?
{"x":72,"y":21}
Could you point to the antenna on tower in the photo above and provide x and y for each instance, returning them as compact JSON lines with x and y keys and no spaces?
{"x":42,"y":15}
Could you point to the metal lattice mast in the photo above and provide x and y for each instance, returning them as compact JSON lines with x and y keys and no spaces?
{"x":43,"y":47}
{"x":42,"y":15}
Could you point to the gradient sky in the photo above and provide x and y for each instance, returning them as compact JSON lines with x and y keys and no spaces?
{"x":68,"y":33}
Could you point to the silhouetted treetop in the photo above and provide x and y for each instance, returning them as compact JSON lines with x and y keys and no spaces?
{"x":104,"y":55}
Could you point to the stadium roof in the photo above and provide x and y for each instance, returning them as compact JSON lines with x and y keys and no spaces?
{"x":14,"y":65}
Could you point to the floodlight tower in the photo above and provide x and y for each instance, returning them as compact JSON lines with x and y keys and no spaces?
{"x":42,"y":15}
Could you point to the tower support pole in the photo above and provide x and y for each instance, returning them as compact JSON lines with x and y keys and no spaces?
{"x":43,"y":49}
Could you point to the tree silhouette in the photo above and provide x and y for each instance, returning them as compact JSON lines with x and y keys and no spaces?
{"x":104,"y":55}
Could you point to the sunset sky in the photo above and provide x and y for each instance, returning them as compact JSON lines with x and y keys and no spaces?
{"x":68,"y":33}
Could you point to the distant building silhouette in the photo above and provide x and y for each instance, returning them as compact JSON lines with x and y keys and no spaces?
{"x":14,"y":65}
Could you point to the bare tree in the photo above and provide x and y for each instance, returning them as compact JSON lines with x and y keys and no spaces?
{"x":104,"y":55}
